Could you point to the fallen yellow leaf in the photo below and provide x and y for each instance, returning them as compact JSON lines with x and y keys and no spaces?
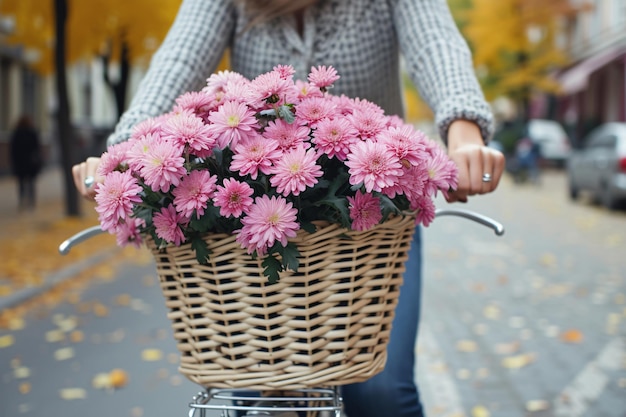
{"x":466,"y":346}
{"x":118,"y":378}
{"x":24,"y":388}
{"x":6,"y":340}
{"x":480,"y":411}
{"x":572,"y":336}
{"x":136,"y":412}
{"x":16,"y":323}
{"x":123,"y":300}
{"x":507,"y":348}
{"x":5,"y":290}
{"x":77,"y":336}
{"x":537,"y":405}
{"x":53,"y":336}
{"x":151,"y":355}
{"x":64,"y":354}
{"x":100,"y":310}
{"x":101,"y":381}
{"x":492,"y":312}
{"x":518,"y":361}
{"x":549,"y":260}
{"x":21,"y":372}
{"x":73,"y":393}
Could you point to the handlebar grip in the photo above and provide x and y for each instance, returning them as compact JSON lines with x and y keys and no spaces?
{"x":471,"y":215}
{"x":64,"y":248}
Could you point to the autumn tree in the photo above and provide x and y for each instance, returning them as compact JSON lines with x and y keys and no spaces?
{"x":65,"y":31}
{"x":515,"y":45}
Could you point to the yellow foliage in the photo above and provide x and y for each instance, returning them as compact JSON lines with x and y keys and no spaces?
{"x":93,"y":27}
{"x":514,"y":43}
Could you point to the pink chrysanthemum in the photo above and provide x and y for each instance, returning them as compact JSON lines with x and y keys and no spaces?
{"x":197,"y":102}
{"x":115,"y":199}
{"x":287,"y":135}
{"x":218,"y":82}
{"x":442,"y":172}
{"x":232,"y":123}
{"x":304,"y":90}
{"x":344,"y":104}
{"x":237,"y":92}
{"x":374,"y":165}
{"x":312,"y":110}
{"x":271,"y":88}
{"x":368,"y":121}
{"x":295,"y":171}
{"x":185,"y":129}
{"x":254,"y":155}
{"x":425,"y":208}
{"x":193,"y":193}
{"x":410,"y":184}
{"x":167,"y":225}
{"x":151,"y":126}
{"x":285,"y":71}
{"x":334,"y":137}
{"x":162,"y":165}
{"x":322,"y":76}
{"x":234,"y":198}
{"x":269,"y":220}
{"x":406,"y":143}
{"x":365,"y":211}
{"x":129,"y":232}
{"x":114,"y":159}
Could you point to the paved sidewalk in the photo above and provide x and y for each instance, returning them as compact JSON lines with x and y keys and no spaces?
{"x":29,"y":240}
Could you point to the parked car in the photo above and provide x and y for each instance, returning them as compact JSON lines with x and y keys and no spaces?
{"x":554,"y":143}
{"x":600,"y":166}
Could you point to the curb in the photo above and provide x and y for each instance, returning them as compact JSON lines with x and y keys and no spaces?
{"x":54,"y":279}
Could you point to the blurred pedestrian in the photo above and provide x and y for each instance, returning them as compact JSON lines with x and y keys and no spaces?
{"x":26,"y":160}
{"x":527,"y":160}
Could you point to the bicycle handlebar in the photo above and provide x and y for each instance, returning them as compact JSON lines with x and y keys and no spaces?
{"x":64,"y":248}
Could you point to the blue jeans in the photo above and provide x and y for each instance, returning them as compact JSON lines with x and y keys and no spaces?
{"x":393,"y":392}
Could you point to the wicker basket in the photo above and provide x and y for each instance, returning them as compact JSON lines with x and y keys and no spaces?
{"x":327,"y":324}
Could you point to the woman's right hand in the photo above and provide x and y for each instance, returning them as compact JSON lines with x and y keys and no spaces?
{"x":87,"y":169}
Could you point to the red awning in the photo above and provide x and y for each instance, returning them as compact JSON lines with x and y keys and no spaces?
{"x":576,"y":78}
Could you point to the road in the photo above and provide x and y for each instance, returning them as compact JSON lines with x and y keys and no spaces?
{"x":532,"y":323}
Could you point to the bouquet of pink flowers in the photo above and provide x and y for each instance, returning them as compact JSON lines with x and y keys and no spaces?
{"x":262,"y":159}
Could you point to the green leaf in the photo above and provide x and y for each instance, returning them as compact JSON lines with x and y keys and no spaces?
{"x":289,"y":254}
{"x":206,"y":222}
{"x":308,"y":227}
{"x":284,"y":112}
{"x":272,"y":267}
{"x":202,"y":250}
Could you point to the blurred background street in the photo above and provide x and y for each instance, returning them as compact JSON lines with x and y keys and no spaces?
{"x":530,"y":324}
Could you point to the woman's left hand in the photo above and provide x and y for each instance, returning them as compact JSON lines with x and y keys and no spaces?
{"x":480,"y":167}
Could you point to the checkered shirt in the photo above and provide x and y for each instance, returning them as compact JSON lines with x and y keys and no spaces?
{"x":363,"y":39}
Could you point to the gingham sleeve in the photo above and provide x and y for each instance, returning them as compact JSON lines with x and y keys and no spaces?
{"x":439,"y":62}
{"x":188,"y":55}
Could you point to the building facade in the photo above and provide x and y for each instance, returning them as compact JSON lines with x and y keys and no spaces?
{"x":594,"y":86}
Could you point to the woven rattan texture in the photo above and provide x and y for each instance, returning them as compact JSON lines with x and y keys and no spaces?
{"x":328,"y":324}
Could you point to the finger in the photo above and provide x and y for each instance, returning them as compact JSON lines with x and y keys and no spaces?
{"x":493,"y":163}
{"x":78,"y":173}
{"x":463,"y":181}
{"x":476,"y":171}
{"x":488,"y":178}
{"x":91,"y":170}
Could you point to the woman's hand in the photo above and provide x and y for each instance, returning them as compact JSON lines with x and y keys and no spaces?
{"x":86,"y":171}
{"x":480,"y":167}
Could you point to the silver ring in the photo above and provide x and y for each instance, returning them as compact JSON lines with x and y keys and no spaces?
{"x":89,"y":181}
{"x":486,"y":177}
